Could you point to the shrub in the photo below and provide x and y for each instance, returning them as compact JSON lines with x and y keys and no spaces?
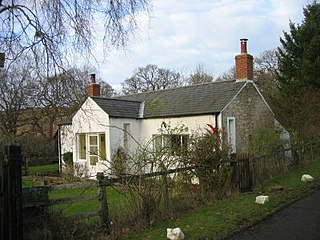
{"x":68,"y":158}
{"x":119,"y":162}
{"x":210,"y":155}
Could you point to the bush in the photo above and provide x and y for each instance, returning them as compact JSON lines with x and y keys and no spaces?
{"x":119,"y":162}
{"x":68,"y":158}
{"x":265,"y":141}
{"x":211,"y":155}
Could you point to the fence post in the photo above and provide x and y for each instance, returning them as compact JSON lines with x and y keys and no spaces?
{"x":104,"y":201}
{"x":12,"y":223}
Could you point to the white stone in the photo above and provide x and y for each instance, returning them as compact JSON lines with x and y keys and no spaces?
{"x":306,"y":178}
{"x":262,"y":199}
{"x":175,"y":234}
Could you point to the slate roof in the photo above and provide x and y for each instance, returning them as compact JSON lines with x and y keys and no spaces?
{"x":199,"y":99}
{"x":118,"y":107}
{"x":190,"y":100}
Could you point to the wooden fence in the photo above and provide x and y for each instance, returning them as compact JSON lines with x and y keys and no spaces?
{"x":246,"y":173}
{"x":254,"y":171}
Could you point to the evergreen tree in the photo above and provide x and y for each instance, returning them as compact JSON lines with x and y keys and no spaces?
{"x":299,"y":55}
{"x":298,"y":102}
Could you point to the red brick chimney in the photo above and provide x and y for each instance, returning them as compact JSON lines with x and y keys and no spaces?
{"x":93,"y":88}
{"x":244,"y":63}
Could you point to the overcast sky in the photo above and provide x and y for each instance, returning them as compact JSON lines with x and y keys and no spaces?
{"x":182,"y":34}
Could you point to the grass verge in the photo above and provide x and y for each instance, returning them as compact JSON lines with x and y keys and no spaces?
{"x":220,"y":219}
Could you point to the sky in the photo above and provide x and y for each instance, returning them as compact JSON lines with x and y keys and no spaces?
{"x":181,"y":34}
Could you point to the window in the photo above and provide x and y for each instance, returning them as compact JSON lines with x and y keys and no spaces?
{"x":231,"y":127}
{"x":82,"y":146}
{"x":96,"y":147}
{"x":102,"y":146}
{"x":174,"y":143}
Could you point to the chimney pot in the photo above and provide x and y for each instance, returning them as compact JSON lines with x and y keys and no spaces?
{"x":243,"y":45}
{"x":92,"y":78}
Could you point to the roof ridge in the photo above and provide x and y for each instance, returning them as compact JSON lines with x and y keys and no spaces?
{"x":116,"y":99}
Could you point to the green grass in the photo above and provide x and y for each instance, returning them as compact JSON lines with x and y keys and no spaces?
{"x":52,"y":168}
{"x":32,"y":180}
{"x":114,"y":199}
{"x":220,"y":219}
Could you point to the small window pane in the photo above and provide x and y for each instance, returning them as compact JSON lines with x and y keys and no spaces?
{"x":93,"y":160}
{"x":82,"y":146}
{"x":93,"y":140}
{"x":102,"y":147}
{"x":93,"y":150}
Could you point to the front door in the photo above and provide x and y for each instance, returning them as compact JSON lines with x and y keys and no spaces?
{"x":231,"y":125}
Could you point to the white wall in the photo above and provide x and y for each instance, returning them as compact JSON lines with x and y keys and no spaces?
{"x":195,"y":124}
{"x":91,"y":119}
{"x":142,"y":131}
{"x":116,"y":133}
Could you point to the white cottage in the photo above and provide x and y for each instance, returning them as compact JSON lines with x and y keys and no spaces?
{"x":102,"y":126}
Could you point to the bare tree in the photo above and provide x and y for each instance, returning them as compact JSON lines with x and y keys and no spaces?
{"x":16,"y":92}
{"x":228,"y":75}
{"x":265,"y":72}
{"x":52,"y":29}
{"x":106,"y":89}
{"x":60,"y":96}
{"x":151,"y":78}
{"x":200,"y":75}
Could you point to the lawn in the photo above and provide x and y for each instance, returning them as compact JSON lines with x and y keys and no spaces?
{"x":32,"y":179}
{"x":48,"y":169}
{"x":220,"y":219}
{"x":115,"y":199}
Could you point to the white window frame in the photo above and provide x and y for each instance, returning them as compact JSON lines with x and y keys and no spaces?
{"x":88,"y":145}
{"x":78,"y":147}
{"x":232,"y":143}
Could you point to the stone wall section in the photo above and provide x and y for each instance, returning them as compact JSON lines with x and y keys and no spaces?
{"x":249,"y":110}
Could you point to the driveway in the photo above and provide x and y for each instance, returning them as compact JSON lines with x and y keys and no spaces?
{"x":299,"y":221}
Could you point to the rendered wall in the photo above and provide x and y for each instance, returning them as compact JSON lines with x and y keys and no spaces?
{"x":90,"y":119}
